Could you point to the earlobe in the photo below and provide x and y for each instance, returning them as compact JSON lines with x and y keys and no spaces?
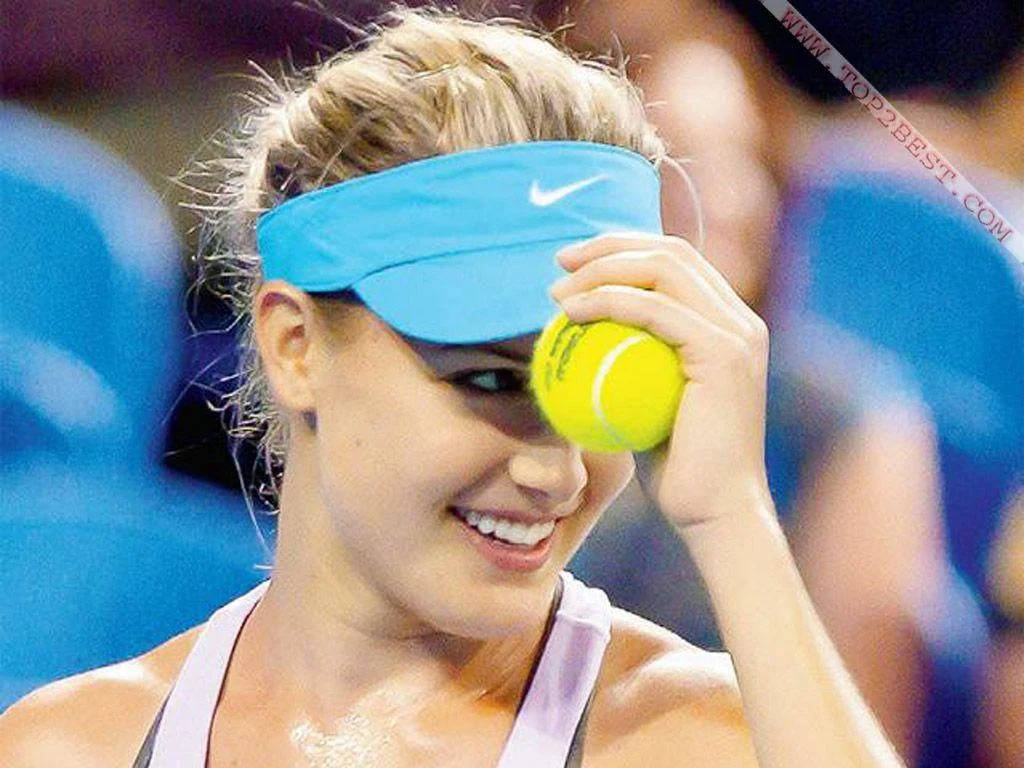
{"x":282,"y":322}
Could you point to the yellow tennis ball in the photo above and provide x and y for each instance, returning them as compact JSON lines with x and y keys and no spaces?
{"x":605,"y":386}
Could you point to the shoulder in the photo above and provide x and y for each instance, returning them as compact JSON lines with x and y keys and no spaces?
{"x":99,"y":717}
{"x":661,"y":700}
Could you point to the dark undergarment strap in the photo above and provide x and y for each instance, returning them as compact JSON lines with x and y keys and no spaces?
{"x":557,"y":601}
{"x":575,"y":757}
{"x":146,"y":752}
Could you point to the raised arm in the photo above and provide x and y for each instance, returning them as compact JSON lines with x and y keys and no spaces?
{"x":803,"y":707}
{"x":710,"y":482}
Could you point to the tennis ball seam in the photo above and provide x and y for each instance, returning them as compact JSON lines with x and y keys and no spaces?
{"x":601,"y":398}
{"x":607,"y":362}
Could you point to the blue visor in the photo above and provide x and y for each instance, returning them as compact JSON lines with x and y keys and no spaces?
{"x":460,"y":248}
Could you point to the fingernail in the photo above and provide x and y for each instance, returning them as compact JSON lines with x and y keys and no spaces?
{"x":566,"y":253}
{"x":558,"y":286}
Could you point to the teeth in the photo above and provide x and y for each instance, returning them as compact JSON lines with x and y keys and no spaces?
{"x":506,"y":530}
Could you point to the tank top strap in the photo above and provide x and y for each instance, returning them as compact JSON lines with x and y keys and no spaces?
{"x":547,"y":732}
{"x":187,"y":716}
{"x":563,"y":683}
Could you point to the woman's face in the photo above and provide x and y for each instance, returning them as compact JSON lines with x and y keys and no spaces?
{"x":406,"y":430}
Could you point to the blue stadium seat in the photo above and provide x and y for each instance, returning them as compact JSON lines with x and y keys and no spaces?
{"x":100,"y":563}
{"x":91,"y":265}
{"x":105,"y":553}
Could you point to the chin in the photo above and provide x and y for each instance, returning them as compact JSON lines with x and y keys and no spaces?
{"x":498,"y":610}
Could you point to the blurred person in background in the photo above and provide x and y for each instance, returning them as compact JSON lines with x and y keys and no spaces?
{"x":865,"y":515}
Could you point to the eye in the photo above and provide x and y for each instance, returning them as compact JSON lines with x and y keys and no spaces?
{"x":494,"y":381}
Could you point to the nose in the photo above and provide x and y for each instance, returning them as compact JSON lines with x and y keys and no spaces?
{"x":554,"y":469}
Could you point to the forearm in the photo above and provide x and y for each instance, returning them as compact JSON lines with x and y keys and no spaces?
{"x":802,"y":706}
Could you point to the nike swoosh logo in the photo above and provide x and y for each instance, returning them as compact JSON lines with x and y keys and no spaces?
{"x":542,"y":198}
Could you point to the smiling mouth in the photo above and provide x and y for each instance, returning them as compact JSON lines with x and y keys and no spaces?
{"x":505,"y":531}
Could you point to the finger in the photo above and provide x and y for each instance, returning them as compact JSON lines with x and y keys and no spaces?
{"x":700,"y":340}
{"x":573,"y":256}
{"x":656,"y":270}
{"x":717,"y":281}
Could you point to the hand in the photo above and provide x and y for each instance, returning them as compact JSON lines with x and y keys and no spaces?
{"x":662,"y":284}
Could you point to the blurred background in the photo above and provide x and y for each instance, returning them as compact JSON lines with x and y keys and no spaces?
{"x":895,"y":439}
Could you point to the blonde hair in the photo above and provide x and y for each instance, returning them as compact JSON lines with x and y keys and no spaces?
{"x":422,"y":82}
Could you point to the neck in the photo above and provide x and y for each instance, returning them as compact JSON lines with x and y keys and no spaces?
{"x":323,"y":641}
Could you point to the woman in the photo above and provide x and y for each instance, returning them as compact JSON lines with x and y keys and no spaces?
{"x":392,"y":228}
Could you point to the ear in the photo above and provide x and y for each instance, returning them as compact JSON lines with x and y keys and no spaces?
{"x":283,"y":323}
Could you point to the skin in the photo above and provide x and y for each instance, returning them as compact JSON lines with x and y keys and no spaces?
{"x":384,"y":639}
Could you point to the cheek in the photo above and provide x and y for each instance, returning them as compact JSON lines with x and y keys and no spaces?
{"x":609,"y":474}
{"x":398,"y":449}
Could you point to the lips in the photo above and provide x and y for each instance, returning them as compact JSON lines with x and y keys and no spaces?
{"x":507,"y":557}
